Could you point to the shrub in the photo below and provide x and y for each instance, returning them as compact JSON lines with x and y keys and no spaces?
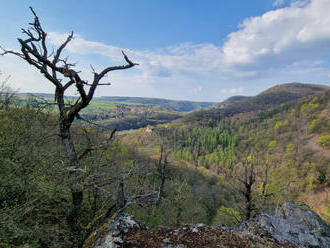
{"x":324,"y":141}
{"x":272,"y":144}
{"x":227,"y":216}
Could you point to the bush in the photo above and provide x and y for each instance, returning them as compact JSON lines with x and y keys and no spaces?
{"x":271,"y":145}
{"x":320,"y":125}
{"x":324,"y":141}
{"x":227,"y":216}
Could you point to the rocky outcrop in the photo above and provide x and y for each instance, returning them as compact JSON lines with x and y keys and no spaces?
{"x":110,"y":235}
{"x":295,"y":224}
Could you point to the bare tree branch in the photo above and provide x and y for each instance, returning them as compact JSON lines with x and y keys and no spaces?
{"x":61,"y":48}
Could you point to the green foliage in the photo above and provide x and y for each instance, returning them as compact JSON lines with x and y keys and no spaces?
{"x":290,"y":150}
{"x":34,"y":184}
{"x":320,"y":124}
{"x":315,"y":125}
{"x":34,"y":194}
{"x":185,"y":202}
{"x":271,"y":145}
{"x":31,"y":179}
{"x":309,"y":107}
{"x":204,"y":146}
{"x":279,"y":126}
{"x":228,"y":216}
{"x":263,"y":115}
{"x":322,"y":176}
{"x":324,"y":141}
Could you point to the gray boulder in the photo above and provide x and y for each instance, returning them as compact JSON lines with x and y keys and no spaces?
{"x":295,"y":224}
{"x":110,"y":234}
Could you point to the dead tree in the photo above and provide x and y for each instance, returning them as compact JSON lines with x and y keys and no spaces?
{"x":124,"y":201}
{"x":162,"y":163}
{"x":61,"y":73}
{"x":248,"y":179}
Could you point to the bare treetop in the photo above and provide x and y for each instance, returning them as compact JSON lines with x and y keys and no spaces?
{"x":57,"y":69}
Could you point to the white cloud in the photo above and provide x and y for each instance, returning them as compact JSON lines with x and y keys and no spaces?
{"x":281,"y":36}
{"x":278,"y":3}
{"x":82,"y":46}
{"x":182,"y":59}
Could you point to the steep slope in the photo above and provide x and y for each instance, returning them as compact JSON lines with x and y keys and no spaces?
{"x":268,"y":99}
{"x":230,"y":100}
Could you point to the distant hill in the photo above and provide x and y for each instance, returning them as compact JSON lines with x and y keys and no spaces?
{"x":229,"y":101}
{"x":277,"y":94}
{"x":172,"y":105}
{"x":233,"y":99}
{"x":267,"y":99}
{"x":28,"y":94}
{"x":176,"y":105}
{"x":299,"y":89}
{"x":123,"y":113}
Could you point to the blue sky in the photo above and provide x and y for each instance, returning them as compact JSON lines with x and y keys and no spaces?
{"x":187,"y":49}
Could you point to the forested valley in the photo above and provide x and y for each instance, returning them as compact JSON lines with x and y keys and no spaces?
{"x":67,"y":174}
{"x":221,"y":173}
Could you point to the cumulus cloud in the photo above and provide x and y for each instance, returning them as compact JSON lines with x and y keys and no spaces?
{"x":281,"y":36}
{"x":181,"y":59}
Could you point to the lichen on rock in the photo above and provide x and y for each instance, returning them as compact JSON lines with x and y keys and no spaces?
{"x":294,"y":224}
{"x":110,"y":234}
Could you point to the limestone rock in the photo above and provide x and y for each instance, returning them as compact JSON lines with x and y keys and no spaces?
{"x":294,"y":224}
{"x":111,"y":235}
